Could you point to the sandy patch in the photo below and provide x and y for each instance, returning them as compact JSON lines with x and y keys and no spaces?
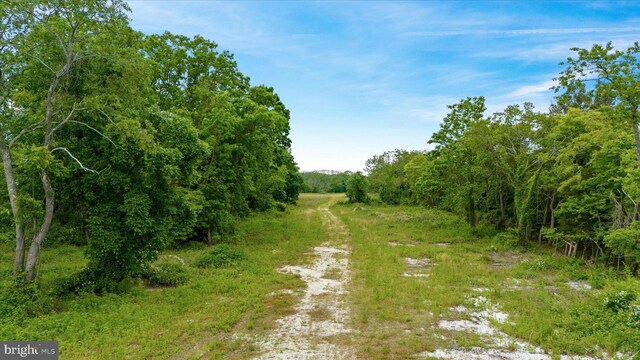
{"x":500,"y":345}
{"x":417,"y":267}
{"x":321,"y":318}
{"x":393,"y":243}
{"x":579,"y":285}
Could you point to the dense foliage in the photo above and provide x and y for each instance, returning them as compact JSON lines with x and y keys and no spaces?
{"x":128,"y":143}
{"x":325,"y":181}
{"x":570,"y":176}
{"x":357,"y":188}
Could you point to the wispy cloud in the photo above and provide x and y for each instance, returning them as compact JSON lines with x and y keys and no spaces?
{"x":364,"y":77}
{"x":532,"y":90}
{"x":525,"y":32}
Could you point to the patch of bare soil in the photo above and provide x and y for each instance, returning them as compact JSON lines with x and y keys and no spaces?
{"x":319,"y":327}
{"x":417,"y":267}
{"x":500,"y":345}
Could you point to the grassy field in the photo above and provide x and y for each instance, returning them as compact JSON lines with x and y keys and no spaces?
{"x":398,"y":315}
{"x":396,"y":305}
{"x":188,"y":321}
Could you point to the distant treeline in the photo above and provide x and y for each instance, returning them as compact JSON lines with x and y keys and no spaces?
{"x":569,"y":176}
{"x":325,"y":181}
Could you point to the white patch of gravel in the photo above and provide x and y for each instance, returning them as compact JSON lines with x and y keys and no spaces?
{"x":579,"y":285}
{"x":418,"y":275}
{"x":477,"y":353}
{"x":481,"y":289}
{"x":298,"y":336}
{"x":411,"y":262}
{"x":417,"y":267}
{"x":499,"y":342}
{"x":393,"y":243}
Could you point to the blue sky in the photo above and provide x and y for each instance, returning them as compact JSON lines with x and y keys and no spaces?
{"x":364,"y":77}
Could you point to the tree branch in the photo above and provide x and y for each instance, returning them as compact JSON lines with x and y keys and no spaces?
{"x":74,"y":158}
{"x":41,"y":62}
{"x":106,"y":115}
{"x":67,"y":119}
{"x":24,"y":131}
{"x":96,"y":130}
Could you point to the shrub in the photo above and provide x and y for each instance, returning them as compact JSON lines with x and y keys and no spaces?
{"x":619,"y":301}
{"x":357,"y":186}
{"x":92,"y":280}
{"x":166,"y":274}
{"x":22,"y":300}
{"x":220,"y":256}
{"x":507,"y":239}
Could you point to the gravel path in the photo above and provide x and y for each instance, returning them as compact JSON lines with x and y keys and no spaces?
{"x":319,"y":329}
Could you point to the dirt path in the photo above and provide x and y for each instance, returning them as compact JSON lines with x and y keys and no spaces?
{"x":319,"y":329}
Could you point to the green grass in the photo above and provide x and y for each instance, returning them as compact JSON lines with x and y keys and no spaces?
{"x":398,"y":315}
{"x":394,"y":316}
{"x":183,"y":322}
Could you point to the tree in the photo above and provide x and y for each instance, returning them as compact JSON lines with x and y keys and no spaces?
{"x":517,"y":157}
{"x":454,"y":158}
{"x":615,"y":75}
{"x":357,"y":187}
{"x":59,"y":36}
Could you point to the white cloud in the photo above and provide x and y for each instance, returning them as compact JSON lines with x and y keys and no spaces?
{"x":525,"y":32}
{"x":528,"y":91}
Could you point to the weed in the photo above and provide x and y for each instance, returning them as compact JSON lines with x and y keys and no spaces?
{"x":220,"y":256}
{"x":166,"y":274}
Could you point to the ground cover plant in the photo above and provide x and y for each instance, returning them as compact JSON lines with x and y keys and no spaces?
{"x":160,"y":321}
{"x":562,"y":305}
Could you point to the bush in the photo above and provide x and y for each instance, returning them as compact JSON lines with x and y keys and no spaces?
{"x":507,"y":239}
{"x":220,"y":256}
{"x":92,"y":280}
{"x":357,"y":186}
{"x":166,"y":274}
{"x":22,"y":300}
{"x":619,"y":301}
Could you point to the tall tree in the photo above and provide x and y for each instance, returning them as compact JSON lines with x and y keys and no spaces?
{"x":45,"y":55}
{"x":604,"y":76}
{"x":455,"y":158}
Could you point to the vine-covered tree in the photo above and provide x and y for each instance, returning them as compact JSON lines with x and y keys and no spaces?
{"x":128,"y":143}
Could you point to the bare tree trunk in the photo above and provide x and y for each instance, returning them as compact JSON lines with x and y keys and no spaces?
{"x":544,"y":221}
{"x":18,"y":265}
{"x":38,"y":239}
{"x":636,"y":132}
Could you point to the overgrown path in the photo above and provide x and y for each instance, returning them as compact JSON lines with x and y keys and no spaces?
{"x":319,"y":328}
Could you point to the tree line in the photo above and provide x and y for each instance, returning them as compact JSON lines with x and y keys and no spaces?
{"x":324,"y":182}
{"x":128,"y":143}
{"x":569,"y":176}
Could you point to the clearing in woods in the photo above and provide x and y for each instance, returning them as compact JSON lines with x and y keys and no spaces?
{"x":319,"y":328}
{"x":330,"y":280}
{"x":407,"y":282}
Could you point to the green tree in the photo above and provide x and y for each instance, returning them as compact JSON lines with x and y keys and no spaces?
{"x":615,"y":75}
{"x":357,"y":187}
{"x":44,"y":59}
{"x":454,"y":160}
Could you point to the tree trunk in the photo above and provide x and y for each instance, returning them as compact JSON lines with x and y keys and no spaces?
{"x":472,"y":208}
{"x":544,"y":221}
{"x":38,"y":239}
{"x":503,"y":212}
{"x":636,"y":132}
{"x":18,"y":264}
